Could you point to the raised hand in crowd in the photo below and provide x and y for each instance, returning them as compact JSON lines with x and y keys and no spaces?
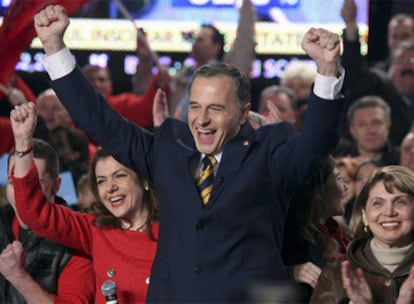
{"x":324,"y":48}
{"x":406,"y":294}
{"x":160,"y":108}
{"x":349,"y":13}
{"x":273,"y":114}
{"x":50,"y":25}
{"x":23,"y":121}
{"x":12,"y":262}
{"x":354,"y":283}
{"x":14,"y":95}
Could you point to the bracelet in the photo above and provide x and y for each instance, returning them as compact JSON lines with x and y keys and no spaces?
{"x":20,"y":154}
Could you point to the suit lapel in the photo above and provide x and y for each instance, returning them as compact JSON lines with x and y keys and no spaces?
{"x":234,"y":154}
{"x":191,"y":158}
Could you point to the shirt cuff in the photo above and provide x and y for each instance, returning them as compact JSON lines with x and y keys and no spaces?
{"x":59,"y":64}
{"x":329,"y":87}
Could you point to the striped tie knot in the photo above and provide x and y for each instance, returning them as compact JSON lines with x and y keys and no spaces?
{"x":205,"y":180}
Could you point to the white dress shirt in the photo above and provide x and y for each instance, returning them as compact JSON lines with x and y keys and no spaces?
{"x":62,"y":63}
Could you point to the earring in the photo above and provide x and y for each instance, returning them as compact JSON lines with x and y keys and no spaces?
{"x":146,"y":186}
{"x":366,"y":229}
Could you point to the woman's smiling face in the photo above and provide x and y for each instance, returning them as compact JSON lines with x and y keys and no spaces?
{"x":120,"y":189}
{"x":389,"y":216}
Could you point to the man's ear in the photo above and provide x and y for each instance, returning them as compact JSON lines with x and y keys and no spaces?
{"x":351,"y":131}
{"x":56,"y":186}
{"x":245,"y":113}
{"x":217,"y":48}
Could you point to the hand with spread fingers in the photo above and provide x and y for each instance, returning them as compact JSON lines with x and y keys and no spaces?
{"x":160,"y":108}
{"x":273,"y":114}
{"x":406,"y":294}
{"x":355,"y":284}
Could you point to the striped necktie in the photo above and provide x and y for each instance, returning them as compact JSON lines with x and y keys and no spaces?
{"x":205,"y":180}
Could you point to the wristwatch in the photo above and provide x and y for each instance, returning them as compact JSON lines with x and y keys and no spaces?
{"x":20,"y":154}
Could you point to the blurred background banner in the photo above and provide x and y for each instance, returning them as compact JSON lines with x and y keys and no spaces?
{"x":17,"y":31}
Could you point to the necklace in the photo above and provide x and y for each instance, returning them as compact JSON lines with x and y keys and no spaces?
{"x":129,"y":225}
{"x":141,"y":228}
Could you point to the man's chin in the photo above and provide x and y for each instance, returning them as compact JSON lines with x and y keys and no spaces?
{"x":206,"y":149}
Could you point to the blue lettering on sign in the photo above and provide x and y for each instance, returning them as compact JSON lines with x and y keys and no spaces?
{"x":260,"y":4}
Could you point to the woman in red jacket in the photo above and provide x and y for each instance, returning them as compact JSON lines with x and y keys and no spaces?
{"x":121,"y":229}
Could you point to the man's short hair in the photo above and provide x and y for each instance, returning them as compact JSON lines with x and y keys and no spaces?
{"x":240,"y":80}
{"x":76,"y":139}
{"x":47,"y":92}
{"x":401,"y":18}
{"x":276,"y":89}
{"x":43,"y":150}
{"x":91,"y":68}
{"x":217,"y":38}
{"x":369,"y":101}
{"x":301,"y":69}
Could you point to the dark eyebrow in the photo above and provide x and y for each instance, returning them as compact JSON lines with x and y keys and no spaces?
{"x":217,"y":105}
{"x":113,"y":173}
{"x":407,"y":196}
{"x":119,"y":170}
{"x":210,"y":105}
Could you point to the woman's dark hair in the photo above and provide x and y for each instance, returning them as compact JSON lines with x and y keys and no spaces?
{"x":104,"y":218}
{"x":310,"y":207}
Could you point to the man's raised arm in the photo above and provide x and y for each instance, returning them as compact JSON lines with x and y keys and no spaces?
{"x":324,"y":48}
{"x":50,"y":25}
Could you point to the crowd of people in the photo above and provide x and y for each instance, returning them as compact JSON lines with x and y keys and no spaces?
{"x":189,"y":193}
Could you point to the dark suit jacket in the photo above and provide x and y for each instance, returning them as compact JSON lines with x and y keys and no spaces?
{"x":390,"y":152}
{"x":212,"y":254}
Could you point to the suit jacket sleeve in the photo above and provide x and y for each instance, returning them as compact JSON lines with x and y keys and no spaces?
{"x":51,"y":221}
{"x":7,"y":139}
{"x":78,"y":269}
{"x":353,"y":62}
{"x":91,"y":113}
{"x":303,"y":153}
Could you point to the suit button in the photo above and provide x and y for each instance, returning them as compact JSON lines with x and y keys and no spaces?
{"x":198,"y":269}
{"x":387,"y":282}
{"x":200,"y":226}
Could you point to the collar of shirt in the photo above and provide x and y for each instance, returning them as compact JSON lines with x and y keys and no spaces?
{"x":200,"y":163}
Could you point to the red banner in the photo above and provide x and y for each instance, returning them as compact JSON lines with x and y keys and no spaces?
{"x":17,"y":31}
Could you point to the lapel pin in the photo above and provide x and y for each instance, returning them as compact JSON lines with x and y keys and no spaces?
{"x":110,"y":272}
{"x":246,"y":143}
